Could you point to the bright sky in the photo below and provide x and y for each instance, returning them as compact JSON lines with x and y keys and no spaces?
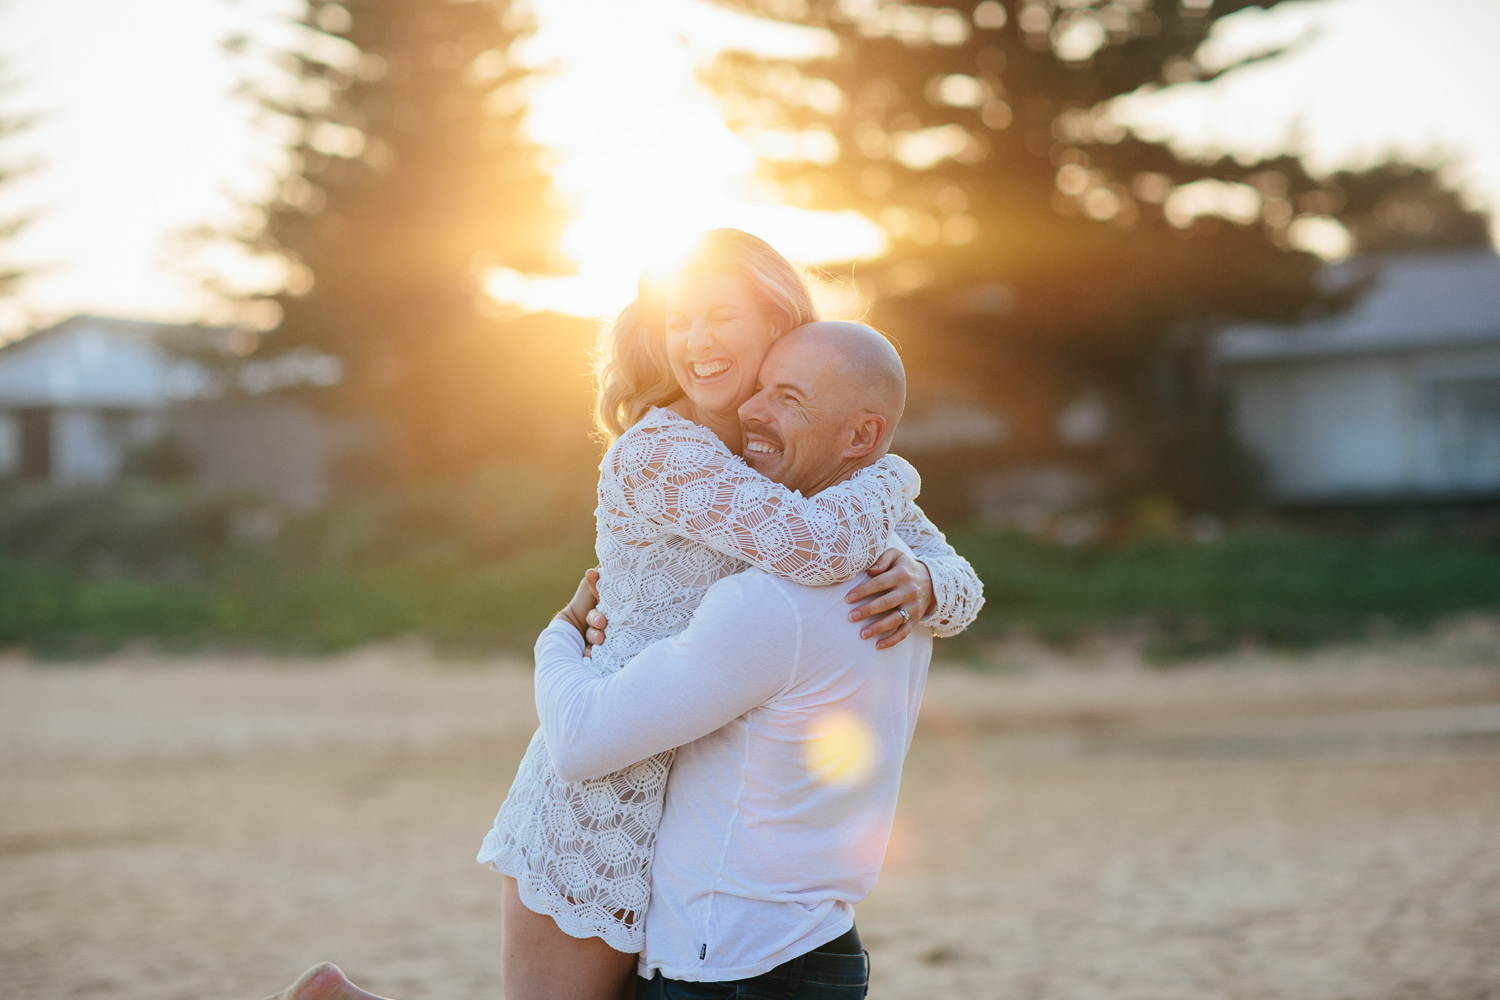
{"x":141,"y":140}
{"x":1370,"y":77}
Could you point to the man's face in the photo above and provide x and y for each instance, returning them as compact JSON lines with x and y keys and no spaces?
{"x":795,"y":424}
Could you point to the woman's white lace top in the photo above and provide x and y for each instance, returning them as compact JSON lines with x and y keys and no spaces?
{"x":678,"y":512}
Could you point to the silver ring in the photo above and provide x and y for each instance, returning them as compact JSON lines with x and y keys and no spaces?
{"x":904,"y":616}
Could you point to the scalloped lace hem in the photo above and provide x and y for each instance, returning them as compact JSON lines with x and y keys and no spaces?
{"x":509,"y":862}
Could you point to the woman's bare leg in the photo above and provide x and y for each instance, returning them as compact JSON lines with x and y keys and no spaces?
{"x":539,"y":962}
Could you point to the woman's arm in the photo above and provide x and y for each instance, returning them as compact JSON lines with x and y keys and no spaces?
{"x":911,"y":582}
{"x":678,"y":476}
{"x":958,"y":594}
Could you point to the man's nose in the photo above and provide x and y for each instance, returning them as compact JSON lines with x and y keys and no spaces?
{"x":754,"y":408}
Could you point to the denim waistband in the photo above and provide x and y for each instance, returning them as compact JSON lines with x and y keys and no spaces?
{"x":847,"y":943}
{"x":841,"y":962}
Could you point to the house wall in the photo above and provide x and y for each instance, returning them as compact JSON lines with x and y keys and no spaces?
{"x":91,"y":366}
{"x":81,"y":449}
{"x":90,"y":445}
{"x":278,"y":448}
{"x":1373,"y":425}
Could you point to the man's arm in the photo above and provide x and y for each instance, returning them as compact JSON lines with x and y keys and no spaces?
{"x":673,"y":691}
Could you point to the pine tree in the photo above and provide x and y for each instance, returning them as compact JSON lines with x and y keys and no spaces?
{"x":412,"y":176}
{"x":11,"y":168}
{"x":1039,"y":252}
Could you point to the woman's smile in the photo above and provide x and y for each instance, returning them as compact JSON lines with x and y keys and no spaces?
{"x":717,"y":334}
{"x":708,"y":371}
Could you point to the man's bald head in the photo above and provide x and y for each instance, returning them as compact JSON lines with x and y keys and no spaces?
{"x":829,"y":397}
{"x":864,"y":367}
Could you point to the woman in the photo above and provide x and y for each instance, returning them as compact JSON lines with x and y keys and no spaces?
{"x":678,"y":511}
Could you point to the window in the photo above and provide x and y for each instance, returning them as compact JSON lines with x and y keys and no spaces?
{"x":1466,"y":414}
{"x":10,"y":445}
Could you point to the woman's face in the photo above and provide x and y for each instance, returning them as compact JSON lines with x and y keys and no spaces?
{"x":717,"y":337}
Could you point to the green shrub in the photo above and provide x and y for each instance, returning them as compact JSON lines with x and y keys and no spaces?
{"x":1277,"y":587}
{"x":486,"y":562}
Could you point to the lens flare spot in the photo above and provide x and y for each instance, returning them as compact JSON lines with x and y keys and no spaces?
{"x":841,"y":750}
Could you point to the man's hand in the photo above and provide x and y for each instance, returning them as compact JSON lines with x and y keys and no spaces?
{"x":597,"y":624}
{"x":897,"y":582}
{"x":584,"y":599}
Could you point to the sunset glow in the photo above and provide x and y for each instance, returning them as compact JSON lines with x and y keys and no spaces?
{"x":644,"y":159}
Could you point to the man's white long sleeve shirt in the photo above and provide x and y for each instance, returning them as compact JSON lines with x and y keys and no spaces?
{"x":792,"y":730}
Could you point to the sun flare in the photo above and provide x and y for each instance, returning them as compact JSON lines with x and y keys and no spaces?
{"x":643,"y":158}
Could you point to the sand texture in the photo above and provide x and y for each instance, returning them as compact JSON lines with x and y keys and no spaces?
{"x":1323,"y":827}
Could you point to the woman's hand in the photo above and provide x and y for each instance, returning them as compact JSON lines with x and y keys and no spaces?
{"x":897,"y":582}
{"x":577,"y":612}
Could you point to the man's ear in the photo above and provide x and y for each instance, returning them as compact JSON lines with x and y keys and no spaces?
{"x":865,"y":433}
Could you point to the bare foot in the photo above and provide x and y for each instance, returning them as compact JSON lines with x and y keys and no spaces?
{"x":323,"y":982}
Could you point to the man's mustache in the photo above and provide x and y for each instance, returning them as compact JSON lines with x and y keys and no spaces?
{"x":762,"y":431}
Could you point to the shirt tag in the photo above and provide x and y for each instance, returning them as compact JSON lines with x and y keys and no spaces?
{"x":703,"y":952}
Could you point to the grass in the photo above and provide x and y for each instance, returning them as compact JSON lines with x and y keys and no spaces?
{"x":59,"y":612}
{"x":1278,"y":588}
{"x":484,"y":565}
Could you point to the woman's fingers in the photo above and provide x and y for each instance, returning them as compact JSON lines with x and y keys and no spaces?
{"x":889,"y":601}
{"x":594,"y":637}
{"x":897,"y":636}
{"x":896,"y":579}
{"x":875,"y":584}
{"x":883,"y":627}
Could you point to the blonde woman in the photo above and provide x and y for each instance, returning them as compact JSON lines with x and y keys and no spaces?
{"x":678,"y":510}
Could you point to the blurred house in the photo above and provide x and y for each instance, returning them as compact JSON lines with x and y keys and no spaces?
{"x":1033,"y":467}
{"x":80,"y":400}
{"x":1397,"y":398}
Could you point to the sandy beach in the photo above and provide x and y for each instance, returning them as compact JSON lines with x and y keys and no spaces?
{"x":1073,"y":825}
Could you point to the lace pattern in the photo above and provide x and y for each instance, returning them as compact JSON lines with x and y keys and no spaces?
{"x":957,"y":592}
{"x":677,"y":512}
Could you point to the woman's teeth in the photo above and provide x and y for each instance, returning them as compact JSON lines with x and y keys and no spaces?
{"x":709,"y":369}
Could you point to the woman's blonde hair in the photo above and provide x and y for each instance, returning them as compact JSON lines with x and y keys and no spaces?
{"x":631,"y":370}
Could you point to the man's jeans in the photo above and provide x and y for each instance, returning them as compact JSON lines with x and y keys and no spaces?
{"x":817,"y":975}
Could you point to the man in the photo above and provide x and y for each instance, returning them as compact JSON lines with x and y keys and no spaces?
{"x":791,"y":728}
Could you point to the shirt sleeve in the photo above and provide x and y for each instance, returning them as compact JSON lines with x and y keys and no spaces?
{"x":958,"y":594}
{"x":673,"y":691}
{"x":679,"y":477}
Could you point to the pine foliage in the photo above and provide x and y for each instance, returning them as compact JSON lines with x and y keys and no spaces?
{"x":1039,"y":250}
{"x":412,"y":176}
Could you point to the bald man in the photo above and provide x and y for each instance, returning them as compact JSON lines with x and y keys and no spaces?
{"x":791,"y":728}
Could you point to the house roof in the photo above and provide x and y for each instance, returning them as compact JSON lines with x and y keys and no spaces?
{"x":1431,"y":299}
{"x":95,"y":361}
